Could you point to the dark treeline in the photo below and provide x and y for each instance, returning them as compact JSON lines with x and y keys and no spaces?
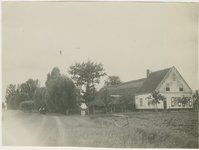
{"x":60,"y":93}
{"x":15,"y":94}
{"x":58,"y":96}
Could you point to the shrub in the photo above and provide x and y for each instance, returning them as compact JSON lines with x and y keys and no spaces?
{"x":27,"y":106}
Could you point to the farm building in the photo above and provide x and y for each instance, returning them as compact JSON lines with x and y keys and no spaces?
{"x":127,"y":89}
{"x":168,"y":82}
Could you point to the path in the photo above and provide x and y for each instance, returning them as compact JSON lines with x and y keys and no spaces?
{"x":20,"y":129}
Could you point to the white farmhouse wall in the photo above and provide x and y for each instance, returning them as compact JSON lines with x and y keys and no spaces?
{"x":169,"y":103}
{"x":145,"y":102}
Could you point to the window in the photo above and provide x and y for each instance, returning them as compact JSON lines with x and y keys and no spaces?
{"x":172,"y":101}
{"x":167,"y":87}
{"x":175,"y":102}
{"x":181,"y":87}
{"x":140,"y":102}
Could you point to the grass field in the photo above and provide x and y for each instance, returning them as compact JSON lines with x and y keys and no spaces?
{"x":145,"y":130}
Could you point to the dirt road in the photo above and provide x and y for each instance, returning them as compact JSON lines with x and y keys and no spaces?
{"x":22,"y":129}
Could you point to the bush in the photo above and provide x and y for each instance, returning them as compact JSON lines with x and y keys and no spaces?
{"x":27,"y":106}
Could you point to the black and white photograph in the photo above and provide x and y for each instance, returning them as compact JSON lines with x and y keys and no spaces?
{"x":99,"y":74}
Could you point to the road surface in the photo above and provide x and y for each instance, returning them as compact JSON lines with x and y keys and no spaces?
{"x":22,"y":129}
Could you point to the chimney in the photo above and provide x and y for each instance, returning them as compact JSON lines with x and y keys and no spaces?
{"x":147,"y":72}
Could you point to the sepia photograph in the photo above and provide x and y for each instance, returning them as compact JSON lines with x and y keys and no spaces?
{"x":99,"y":74}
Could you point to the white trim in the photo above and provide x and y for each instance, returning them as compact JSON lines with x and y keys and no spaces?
{"x":183,"y":80}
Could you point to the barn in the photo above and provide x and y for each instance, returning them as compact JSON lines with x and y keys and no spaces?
{"x":127,"y":90}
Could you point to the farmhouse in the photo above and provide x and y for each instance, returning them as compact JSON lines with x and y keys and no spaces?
{"x":168,"y":82}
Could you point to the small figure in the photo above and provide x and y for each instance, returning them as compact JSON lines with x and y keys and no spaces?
{"x":39,"y":110}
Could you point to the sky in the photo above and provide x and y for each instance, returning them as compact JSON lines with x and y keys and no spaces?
{"x":126,"y":37}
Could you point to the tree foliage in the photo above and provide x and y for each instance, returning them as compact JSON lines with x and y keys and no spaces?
{"x":23,"y":92}
{"x":14,"y":101}
{"x":10,"y":91}
{"x":60,"y":94}
{"x":39,"y":98}
{"x":183,"y":100}
{"x":113,"y":80}
{"x":27,"y":106}
{"x":86,"y":76}
{"x":20,"y":97}
{"x":124,"y":101}
{"x":196,"y":97}
{"x":105,"y":97}
{"x":155,"y":99}
{"x":29,"y":87}
{"x":55,"y":73}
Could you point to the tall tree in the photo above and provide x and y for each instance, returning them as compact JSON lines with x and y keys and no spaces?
{"x":60,"y":94}
{"x":10,"y":91}
{"x":113,"y":80}
{"x":155,"y":99}
{"x":20,"y":97}
{"x":29,"y":87}
{"x":55,"y":73}
{"x":86,"y":76}
{"x":32,"y":86}
{"x":39,"y":98}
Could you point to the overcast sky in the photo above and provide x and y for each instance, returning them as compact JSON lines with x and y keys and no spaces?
{"x":126,"y":37}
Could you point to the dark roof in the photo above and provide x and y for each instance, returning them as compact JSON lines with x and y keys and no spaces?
{"x":128,"y":89}
{"x":152,"y":81}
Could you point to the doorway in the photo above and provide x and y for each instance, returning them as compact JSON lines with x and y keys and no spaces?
{"x":165,"y":104}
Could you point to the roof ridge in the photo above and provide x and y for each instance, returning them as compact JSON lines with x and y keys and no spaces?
{"x":161,"y":70}
{"x":132,"y":81}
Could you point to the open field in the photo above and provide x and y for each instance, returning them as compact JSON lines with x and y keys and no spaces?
{"x":145,"y":130}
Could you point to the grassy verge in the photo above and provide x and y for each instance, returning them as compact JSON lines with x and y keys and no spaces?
{"x":152,"y":130}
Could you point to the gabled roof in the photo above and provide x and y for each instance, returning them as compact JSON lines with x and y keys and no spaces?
{"x":127,"y":89}
{"x":152,"y":81}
